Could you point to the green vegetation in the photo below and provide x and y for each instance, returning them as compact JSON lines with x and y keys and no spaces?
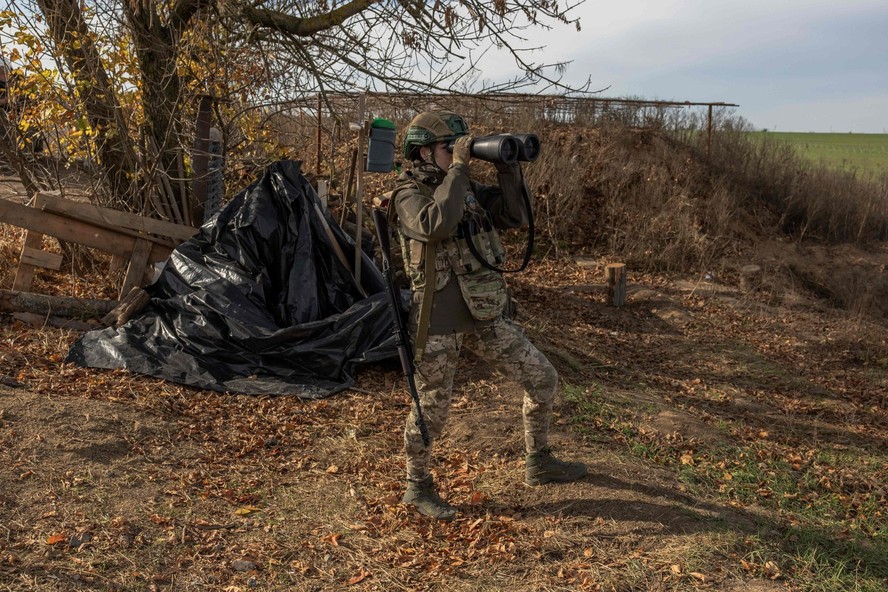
{"x":864,"y":153}
{"x":818,"y":511}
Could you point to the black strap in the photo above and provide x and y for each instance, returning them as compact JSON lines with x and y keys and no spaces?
{"x":469,"y":234}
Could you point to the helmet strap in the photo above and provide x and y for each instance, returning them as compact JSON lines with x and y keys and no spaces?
{"x":427,"y":153}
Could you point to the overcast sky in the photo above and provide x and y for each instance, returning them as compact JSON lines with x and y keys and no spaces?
{"x":791,"y":65}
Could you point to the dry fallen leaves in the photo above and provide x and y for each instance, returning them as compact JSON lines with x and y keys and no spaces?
{"x":359,"y":577}
{"x":247,"y":510}
{"x":771,"y":570}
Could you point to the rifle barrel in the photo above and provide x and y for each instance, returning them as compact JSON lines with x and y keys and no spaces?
{"x":399,"y":327}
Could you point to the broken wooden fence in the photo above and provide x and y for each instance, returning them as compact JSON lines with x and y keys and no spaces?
{"x":138,"y":241}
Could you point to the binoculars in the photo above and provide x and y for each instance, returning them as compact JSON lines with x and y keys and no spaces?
{"x":506,"y":148}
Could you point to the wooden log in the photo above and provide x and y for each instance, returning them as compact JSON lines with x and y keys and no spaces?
{"x":750,"y":278}
{"x":41,"y":321}
{"x":131,"y":305}
{"x":12,"y":301}
{"x":616,"y":284}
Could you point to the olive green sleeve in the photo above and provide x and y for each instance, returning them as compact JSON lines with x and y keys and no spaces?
{"x":504,"y":203}
{"x":432,"y":218}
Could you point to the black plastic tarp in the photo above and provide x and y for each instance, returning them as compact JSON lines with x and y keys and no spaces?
{"x":257,"y":302}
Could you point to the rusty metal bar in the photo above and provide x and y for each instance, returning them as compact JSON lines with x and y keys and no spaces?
{"x":518,"y":97}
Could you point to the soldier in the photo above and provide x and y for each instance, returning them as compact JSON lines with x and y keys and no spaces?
{"x":458,"y":301}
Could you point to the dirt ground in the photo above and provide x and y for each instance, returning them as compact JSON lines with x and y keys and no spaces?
{"x":113,"y":481}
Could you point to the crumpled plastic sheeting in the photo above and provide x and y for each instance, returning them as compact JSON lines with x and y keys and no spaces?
{"x":257,"y":303}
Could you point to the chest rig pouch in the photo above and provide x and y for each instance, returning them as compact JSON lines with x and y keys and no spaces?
{"x":483,"y":290}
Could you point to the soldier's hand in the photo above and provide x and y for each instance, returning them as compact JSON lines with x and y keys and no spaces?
{"x":462,"y":150}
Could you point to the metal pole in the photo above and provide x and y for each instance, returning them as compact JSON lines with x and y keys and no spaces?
{"x":318,"y":155}
{"x":709,"y":133}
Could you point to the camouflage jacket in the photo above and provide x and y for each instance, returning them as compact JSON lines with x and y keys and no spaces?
{"x":430,"y":205}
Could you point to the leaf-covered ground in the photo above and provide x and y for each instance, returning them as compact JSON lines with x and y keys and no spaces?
{"x":735,"y":442}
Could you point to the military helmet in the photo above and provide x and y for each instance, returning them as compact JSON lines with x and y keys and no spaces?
{"x":433,"y":126}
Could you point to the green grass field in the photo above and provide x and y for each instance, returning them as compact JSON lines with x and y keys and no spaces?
{"x":864,"y":153}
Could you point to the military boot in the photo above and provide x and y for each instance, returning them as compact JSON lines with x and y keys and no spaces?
{"x":542,"y":468}
{"x":423,"y":496}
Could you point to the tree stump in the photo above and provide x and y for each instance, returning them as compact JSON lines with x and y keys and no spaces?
{"x":750,"y":278}
{"x":616,"y":284}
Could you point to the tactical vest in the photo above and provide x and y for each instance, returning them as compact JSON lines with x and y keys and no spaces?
{"x":482,"y":289}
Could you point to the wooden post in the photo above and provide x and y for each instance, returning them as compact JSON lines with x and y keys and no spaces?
{"x":128,"y":307}
{"x":349,"y":183}
{"x":24,"y":275}
{"x":135,"y":273}
{"x":359,"y":192}
{"x":200,"y":158}
{"x":750,"y":278}
{"x":616,"y":284}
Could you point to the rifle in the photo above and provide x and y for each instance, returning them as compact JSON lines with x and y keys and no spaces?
{"x":402,"y":339}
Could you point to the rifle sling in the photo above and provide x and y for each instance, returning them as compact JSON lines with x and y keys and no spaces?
{"x":425,"y":309}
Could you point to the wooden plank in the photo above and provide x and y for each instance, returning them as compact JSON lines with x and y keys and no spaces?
{"x":24,"y":275}
{"x":135,"y":273}
{"x":117,"y":263}
{"x":39,"y":258}
{"x":110,"y":218}
{"x":76,"y":231}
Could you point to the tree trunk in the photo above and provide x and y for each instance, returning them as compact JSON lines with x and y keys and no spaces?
{"x":156,"y":48}
{"x":69,"y":30}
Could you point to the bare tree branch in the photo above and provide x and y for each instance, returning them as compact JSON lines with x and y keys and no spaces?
{"x":303,"y":27}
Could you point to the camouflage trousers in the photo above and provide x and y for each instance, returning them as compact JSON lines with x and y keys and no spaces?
{"x":505,"y":347}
